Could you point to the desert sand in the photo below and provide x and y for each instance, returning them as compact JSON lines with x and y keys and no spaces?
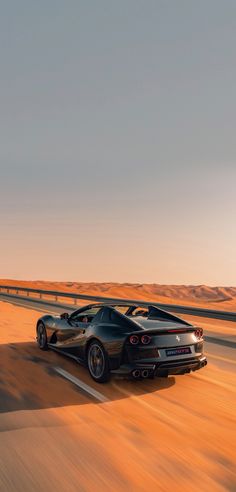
{"x":222,"y":298}
{"x":167,"y":434}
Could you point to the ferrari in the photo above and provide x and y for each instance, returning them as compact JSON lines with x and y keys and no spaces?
{"x":127,"y":340}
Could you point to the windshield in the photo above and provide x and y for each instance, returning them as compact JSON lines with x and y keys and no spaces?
{"x":138,"y":311}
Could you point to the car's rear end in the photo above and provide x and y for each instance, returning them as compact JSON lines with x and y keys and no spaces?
{"x":161,"y":349}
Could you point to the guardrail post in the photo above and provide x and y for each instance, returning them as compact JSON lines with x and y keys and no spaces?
{"x":27,"y":294}
{"x":8,"y":291}
{"x":40,"y":296}
{"x":56,"y":298}
{"x":75,"y":301}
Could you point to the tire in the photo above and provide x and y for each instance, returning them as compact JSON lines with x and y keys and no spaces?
{"x":97,"y":362}
{"x":42,"y":336}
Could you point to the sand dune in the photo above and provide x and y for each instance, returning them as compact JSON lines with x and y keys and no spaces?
{"x":223,"y":298}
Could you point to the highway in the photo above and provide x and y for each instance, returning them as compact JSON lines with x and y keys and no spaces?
{"x":62,"y":431}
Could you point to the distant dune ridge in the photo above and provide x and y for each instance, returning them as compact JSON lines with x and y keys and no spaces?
{"x":195,"y":295}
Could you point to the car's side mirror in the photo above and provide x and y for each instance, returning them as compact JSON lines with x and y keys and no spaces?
{"x":64,"y":316}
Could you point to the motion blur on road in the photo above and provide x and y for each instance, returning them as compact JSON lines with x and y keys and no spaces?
{"x":164,"y":434}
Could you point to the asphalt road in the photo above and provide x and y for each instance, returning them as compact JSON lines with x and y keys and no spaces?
{"x":61,"y":431}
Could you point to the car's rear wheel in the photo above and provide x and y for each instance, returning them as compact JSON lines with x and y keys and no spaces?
{"x":98,"y":363}
{"x":42,"y":337}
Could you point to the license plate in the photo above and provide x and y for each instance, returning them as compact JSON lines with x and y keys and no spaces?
{"x":178,"y":351}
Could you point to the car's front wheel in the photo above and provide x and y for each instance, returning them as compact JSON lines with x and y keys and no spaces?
{"x":42,"y":337}
{"x":98,"y":363}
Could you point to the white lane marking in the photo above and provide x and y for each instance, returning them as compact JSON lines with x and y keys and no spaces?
{"x":85,"y":387}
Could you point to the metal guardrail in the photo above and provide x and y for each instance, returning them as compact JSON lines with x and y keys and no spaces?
{"x":193,"y":311}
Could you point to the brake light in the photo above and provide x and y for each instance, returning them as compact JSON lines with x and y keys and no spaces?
{"x":134,"y":339}
{"x":198,"y":333}
{"x":145,"y":339}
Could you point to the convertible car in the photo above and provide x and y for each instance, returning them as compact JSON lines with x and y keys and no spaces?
{"x":129,"y":340}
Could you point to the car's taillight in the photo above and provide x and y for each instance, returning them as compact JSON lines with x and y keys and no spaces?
{"x":198,"y":333}
{"x":134,"y":339}
{"x":145,"y":339}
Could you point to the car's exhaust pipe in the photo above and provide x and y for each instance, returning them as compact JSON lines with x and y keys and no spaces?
{"x":145,"y":373}
{"x":136,"y":373}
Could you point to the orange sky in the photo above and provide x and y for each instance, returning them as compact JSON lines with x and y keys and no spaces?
{"x":117,"y":156}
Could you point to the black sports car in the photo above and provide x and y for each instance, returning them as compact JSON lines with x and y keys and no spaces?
{"x":124,"y":339}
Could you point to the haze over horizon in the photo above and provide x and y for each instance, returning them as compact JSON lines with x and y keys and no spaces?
{"x":117,"y":156}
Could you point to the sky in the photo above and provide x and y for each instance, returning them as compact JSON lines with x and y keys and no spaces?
{"x":117,"y":141}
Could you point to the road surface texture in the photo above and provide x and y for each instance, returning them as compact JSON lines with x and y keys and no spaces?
{"x":164,"y":434}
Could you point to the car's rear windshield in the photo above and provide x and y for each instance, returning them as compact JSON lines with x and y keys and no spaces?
{"x":132,"y":310}
{"x":121,"y":309}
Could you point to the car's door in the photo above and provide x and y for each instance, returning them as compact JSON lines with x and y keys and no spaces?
{"x":65,"y":331}
{"x":71,"y":335}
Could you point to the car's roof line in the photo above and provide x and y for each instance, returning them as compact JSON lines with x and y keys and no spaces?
{"x":165,"y":315}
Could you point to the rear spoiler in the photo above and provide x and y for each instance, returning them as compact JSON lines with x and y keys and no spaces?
{"x":161,"y":331}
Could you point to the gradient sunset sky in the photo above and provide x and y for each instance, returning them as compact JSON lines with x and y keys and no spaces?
{"x":118,"y":141}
